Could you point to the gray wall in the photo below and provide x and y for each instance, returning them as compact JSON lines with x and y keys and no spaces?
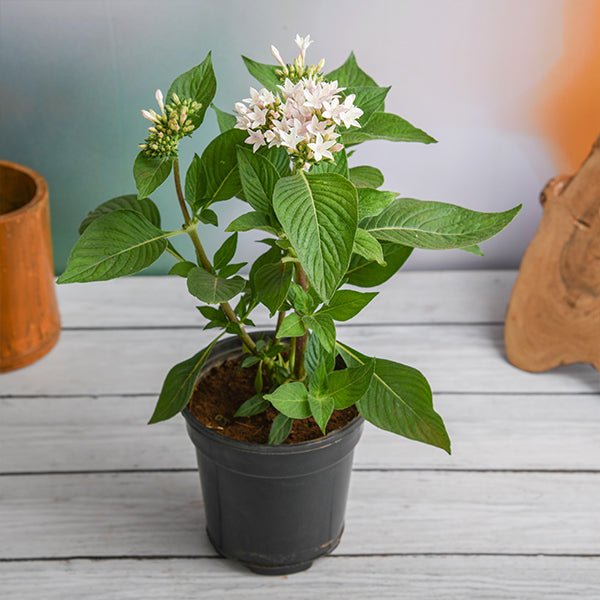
{"x":74,"y":74}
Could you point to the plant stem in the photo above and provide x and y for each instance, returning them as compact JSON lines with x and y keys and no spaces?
{"x":280,"y":318}
{"x":203,"y":259}
{"x":300,"y":341}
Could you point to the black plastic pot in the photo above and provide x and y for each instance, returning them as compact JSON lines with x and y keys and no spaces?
{"x":274,"y":508}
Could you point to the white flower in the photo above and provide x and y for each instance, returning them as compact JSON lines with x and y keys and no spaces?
{"x":303,"y":43}
{"x":351,"y":112}
{"x":320,"y":148}
{"x":333,"y":110}
{"x":277,"y":56}
{"x":160,"y":100}
{"x":290,"y":140}
{"x":256,"y":138}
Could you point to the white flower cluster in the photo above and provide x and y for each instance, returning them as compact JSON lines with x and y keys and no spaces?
{"x":303,"y":116}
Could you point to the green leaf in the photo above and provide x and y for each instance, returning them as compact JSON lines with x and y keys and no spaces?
{"x":346,"y":304}
{"x":272,"y":282}
{"x":251,"y":220}
{"x":253,"y":406}
{"x":301,"y":300}
{"x":150,"y":173}
{"x":321,"y":408}
{"x":291,"y":399}
{"x":366,"y":177}
{"x":291,"y":326}
{"x":278,"y":157}
{"x":179,"y":385}
{"x":386,"y":126}
{"x":368,"y":247}
{"x":476,"y":250}
{"x":338,"y":165}
{"x":231,"y":269}
{"x":348,"y":386}
{"x":220,"y":165}
{"x":350,"y":74}
{"x":199,"y":84}
{"x":119,"y":243}
{"x":435,"y":225}
{"x":280,"y":429}
{"x":369,"y":99}
{"x":263,"y":73}
{"x":182,"y":268}
{"x":225,"y":120}
{"x":226,"y":252}
{"x":208,"y":216}
{"x":319,"y":214}
{"x":144,"y":206}
{"x":212,"y":289}
{"x":323,"y":327}
{"x":372,"y":202}
{"x":316,"y":355}
{"x":399,"y":400}
{"x":195,"y":183}
{"x":258,"y":178}
{"x":365,"y":273}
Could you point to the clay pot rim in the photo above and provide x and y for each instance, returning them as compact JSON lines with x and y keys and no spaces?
{"x":40,"y":194}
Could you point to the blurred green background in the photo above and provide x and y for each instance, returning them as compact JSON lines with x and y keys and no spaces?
{"x":74,"y":74}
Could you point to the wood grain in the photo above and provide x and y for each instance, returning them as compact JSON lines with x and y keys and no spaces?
{"x":160,"y":514}
{"x":360,"y":578}
{"x":85,"y":433}
{"x":455,"y":358}
{"x":554,"y":313}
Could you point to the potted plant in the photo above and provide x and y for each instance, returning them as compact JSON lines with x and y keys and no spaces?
{"x":275,"y":415}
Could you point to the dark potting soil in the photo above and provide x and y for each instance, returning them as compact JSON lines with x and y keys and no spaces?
{"x":226,"y":386}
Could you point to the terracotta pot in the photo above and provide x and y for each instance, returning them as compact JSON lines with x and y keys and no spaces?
{"x":29,"y":320}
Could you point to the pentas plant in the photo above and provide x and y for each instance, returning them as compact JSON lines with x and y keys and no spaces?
{"x":329,"y":230}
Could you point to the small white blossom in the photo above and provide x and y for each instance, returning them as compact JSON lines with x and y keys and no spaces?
{"x":160,"y":100}
{"x":303,"y":43}
{"x":320,"y":148}
{"x":256,"y":138}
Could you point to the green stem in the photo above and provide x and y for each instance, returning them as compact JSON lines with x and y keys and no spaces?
{"x":203,"y":259}
{"x":300,"y":341}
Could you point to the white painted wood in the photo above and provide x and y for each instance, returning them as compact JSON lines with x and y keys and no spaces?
{"x":157,"y":514}
{"x":410,"y":297}
{"x":488,"y":432}
{"x":455,"y":358}
{"x":387,"y":577}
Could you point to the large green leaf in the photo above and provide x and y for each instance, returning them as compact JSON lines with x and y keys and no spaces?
{"x":319,"y":214}
{"x":366,"y":177}
{"x":199,"y":84}
{"x":338,"y":165}
{"x":399,"y":400}
{"x":251,"y":220}
{"x":195,"y":183}
{"x":225,"y":120}
{"x":291,"y":399}
{"x":179,"y":385}
{"x":323,"y":327}
{"x":221,"y":166}
{"x":226,"y":252}
{"x":346,"y":304}
{"x":372,"y":202}
{"x":368,"y":247}
{"x":263,"y":73}
{"x":291,"y":326}
{"x":145,"y":206}
{"x":369,"y":99}
{"x":278,"y":157}
{"x":119,"y":243}
{"x":435,"y":225}
{"x":366,"y":273}
{"x":386,"y":126}
{"x":348,"y":386}
{"x":258,"y":178}
{"x":272,"y":282}
{"x":350,"y":74}
{"x":212,"y":289}
{"x":150,"y":173}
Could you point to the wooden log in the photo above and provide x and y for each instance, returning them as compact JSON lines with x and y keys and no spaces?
{"x":29,"y":321}
{"x":554,"y":314}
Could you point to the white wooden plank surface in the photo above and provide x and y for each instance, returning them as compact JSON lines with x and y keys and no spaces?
{"x":158,"y":514}
{"x":410,"y":297}
{"x":455,"y":358}
{"x":488,"y":432}
{"x":387,"y":577}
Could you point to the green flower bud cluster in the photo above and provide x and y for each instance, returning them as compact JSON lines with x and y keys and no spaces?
{"x":296,"y":71}
{"x":169,"y":127}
